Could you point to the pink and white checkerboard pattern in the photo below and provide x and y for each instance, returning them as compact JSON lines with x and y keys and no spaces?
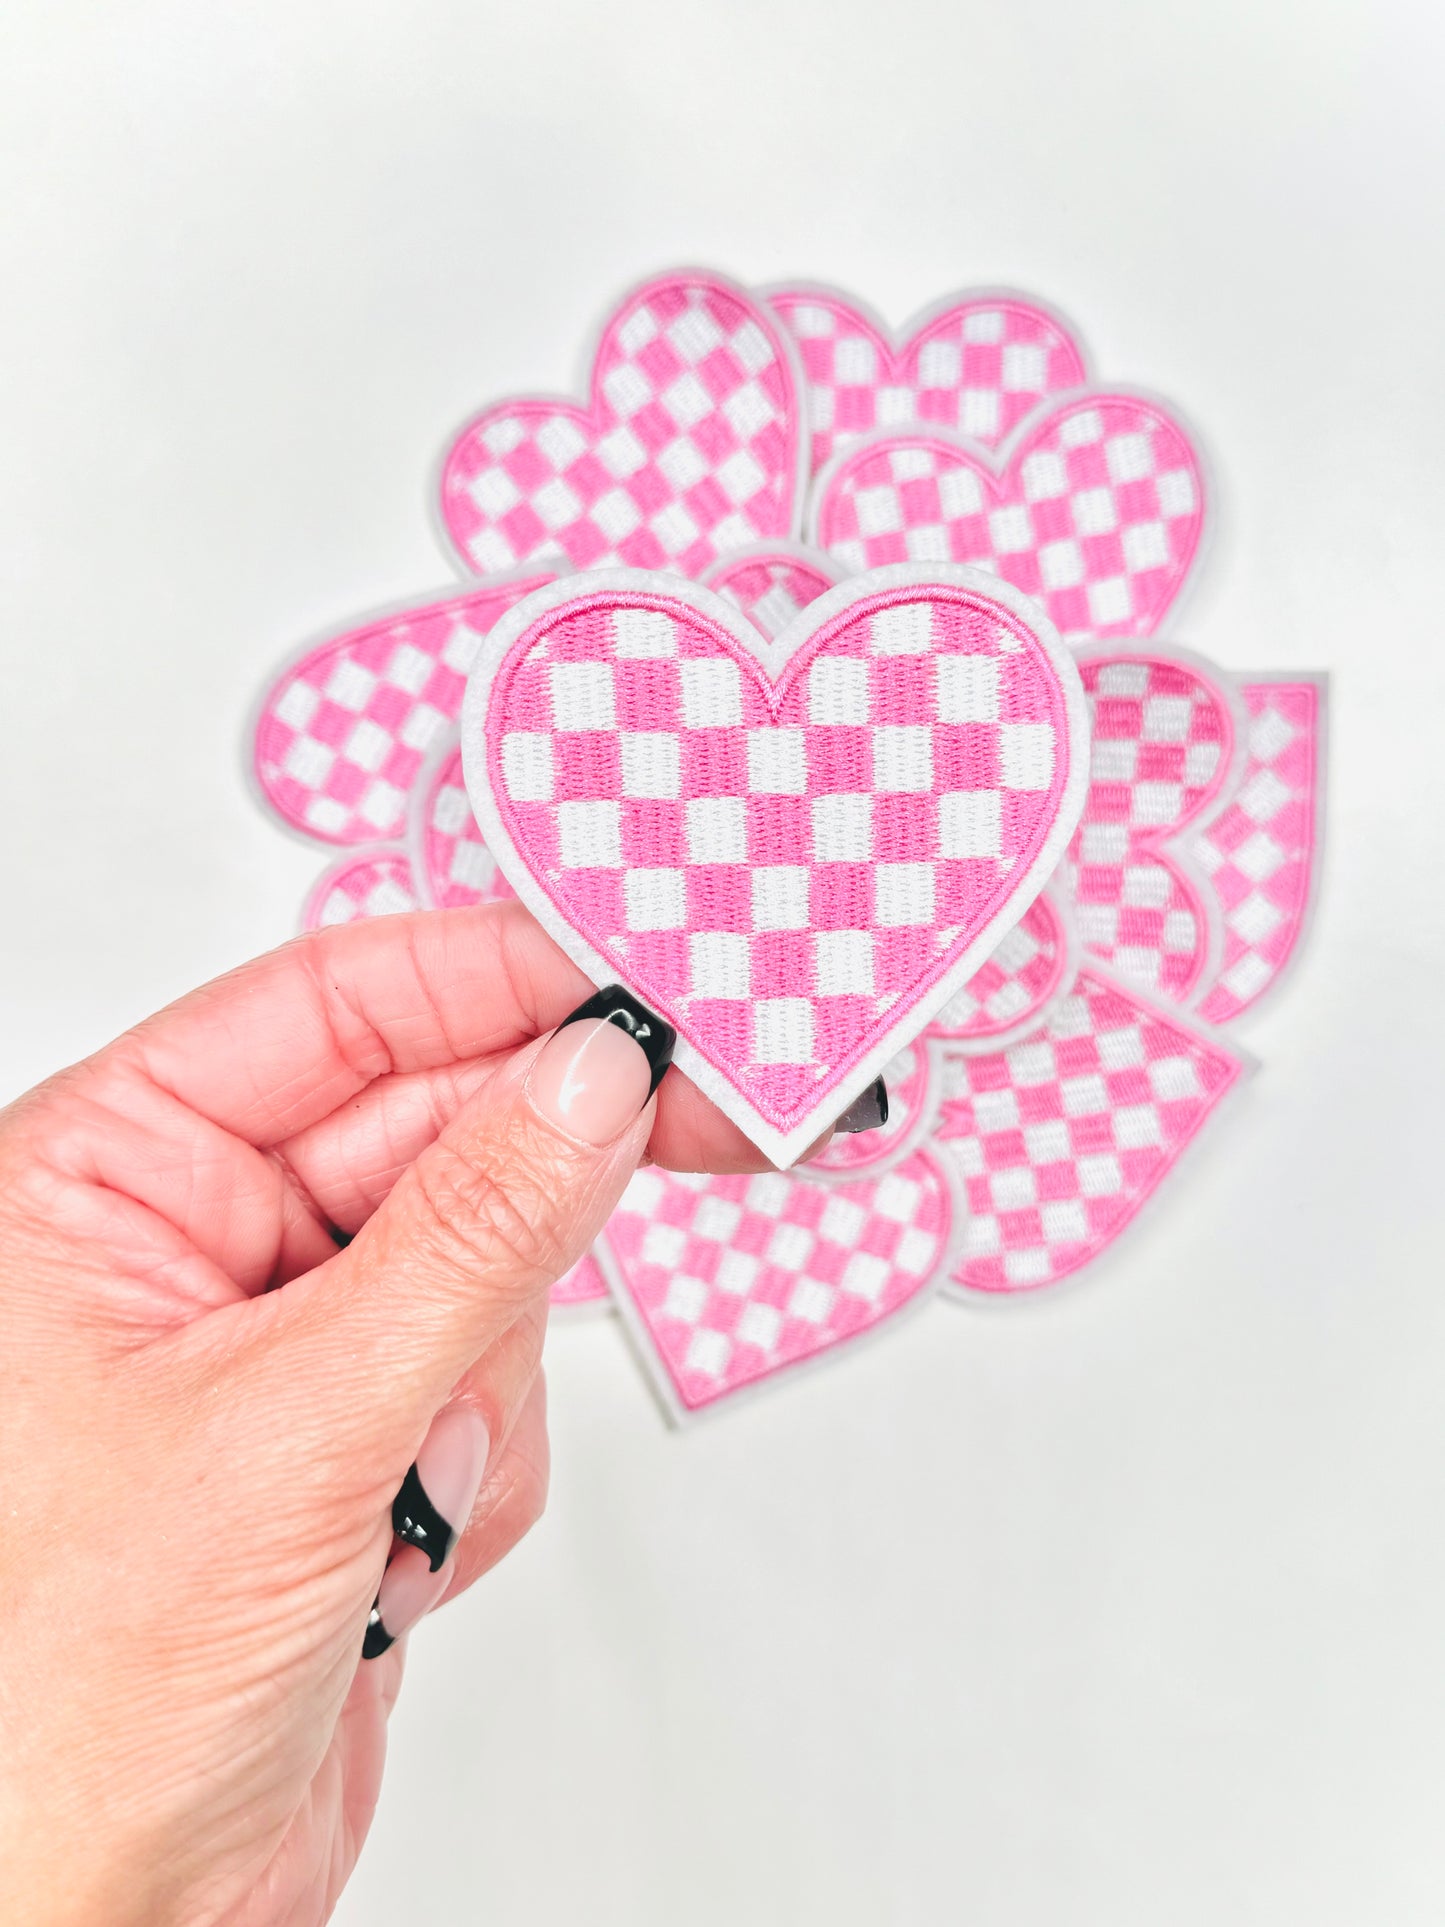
{"x":769,"y":872}
{"x":1015,"y":984}
{"x":732,"y":1280}
{"x":978,"y":366}
{"x":372,"y":883}
{"x":1162,"y":746}
{"x":912,"y":1094}
{"x":456,"y":865}
{"x":343,"y":733}
{"x":690,"y":448}
{"x":1097,"y":514}
{"x":1262,"y":851}
{"x":771,"y":589}
{"x":1062,"y":1138}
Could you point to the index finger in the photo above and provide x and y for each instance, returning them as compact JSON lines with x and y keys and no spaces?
{"x":272,"y":1048}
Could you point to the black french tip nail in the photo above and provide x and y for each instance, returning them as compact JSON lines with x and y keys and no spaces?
{"x":377,"y":1637}
{"x":618,"y":1006}
{"x":867,"y":1112}
{"x":416,"y":1520}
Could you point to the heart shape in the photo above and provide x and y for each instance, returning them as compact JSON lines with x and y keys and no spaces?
{"x":728,"y":1282}
{"x":1262,"y":852}
{"x":1166,"y":748}
{"x":1061,"y":1139}
{"x":690,"y":446}
{"x":976,"y":362}
{"x":1095,"y":507}
{"x":341,"y":733}
{"x":772,"y":582}
{"x":365,"y":883}
{"x":1009,"y":994}
{"x":795,"y":850}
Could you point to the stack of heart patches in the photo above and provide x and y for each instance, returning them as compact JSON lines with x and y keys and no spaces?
{"x":793,"y":868}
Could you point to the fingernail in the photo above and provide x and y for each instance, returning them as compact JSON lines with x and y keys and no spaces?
{"x":601,"y":1066}
{"x":619,"y":1007}
{"x":408,"y":1591}
{"x":867,"y":1112}
{"x":438,"y":1493}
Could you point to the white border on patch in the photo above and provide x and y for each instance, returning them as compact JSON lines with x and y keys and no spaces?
{"x":654,"y":1366}
{"x":783,"y":1147}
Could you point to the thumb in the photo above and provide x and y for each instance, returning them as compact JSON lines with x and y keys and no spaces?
{"x":480,"y":1227}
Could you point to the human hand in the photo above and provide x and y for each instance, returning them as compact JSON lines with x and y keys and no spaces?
{"x":209,"y":1404}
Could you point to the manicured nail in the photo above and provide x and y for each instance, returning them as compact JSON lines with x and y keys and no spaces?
{"x":409,"y":1589}
{"x":618,"y":1006}
{"x":867,"y":1112}
{"x":600,"y":1067}
{"x":438,"y":1493}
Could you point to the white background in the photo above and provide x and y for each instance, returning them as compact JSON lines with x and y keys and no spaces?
{"x":1122,"y":1606}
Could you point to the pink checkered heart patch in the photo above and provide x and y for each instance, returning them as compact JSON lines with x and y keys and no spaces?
{"x":772,"y":582}
{"x":342,"y":732}
{"x":977,"y":363}
{"x":1095,"y":507}
{"x":1167,"y":744}
{"x":365,"y":883}
{"x":729,"y":1283}
{"x":795,"y":850}
{"x":691,"y":444}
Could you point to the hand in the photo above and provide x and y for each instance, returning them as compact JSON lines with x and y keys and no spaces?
{"x":211,"y":1398}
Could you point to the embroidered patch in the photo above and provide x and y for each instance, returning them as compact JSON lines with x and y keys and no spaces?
{"x":772,"y":583}
{"x":1167,"y":745}
{"x":367,"y":883}
{"x":729,"y":1282}
{"x":976,"y":363}
{"x":1094,"y":506}
{"x":1262,"y":854}
{"x":453,"y":866}
{"x":691,"y":444}
{"x":915,"y":1090}
{"x":1062,"y":1138}
{"x":1013,"y":988}
{"x":795,"y":850}
{"x":341,"y":733}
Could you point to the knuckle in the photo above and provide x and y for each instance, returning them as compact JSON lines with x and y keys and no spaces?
{"x":504,"y":1217}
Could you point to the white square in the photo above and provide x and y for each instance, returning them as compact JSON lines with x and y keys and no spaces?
{"x":1025,"y":368}
{"x":1175,"y":492}
{"x":1044,"y":475}
{"x":768,"y":1193}
{"x":842,"y":1221}
{"x":879,"y":510}
{"x":903,"y":894}
{"x":1156,"y":804}
{"x":1263,"y":796}
{"x":349,"y":686}
{"x":1065,"y":1222}
{"x":865,"y":1276}
{"x":1026,"y":755}
{"x":978,"y":413}
{"x":643,"y":635}
{"x":780,"y":897}
{"x":741,"y":477}
{"x":557,"y":505}
{"x":940,"y":363}
{"x":651,"y":763}
{"x":842,"y":829}
{"x":527,"y":766}
{"x":1011,"y":529}
{"x":1137,"y":1126}
{"x":685,"y":1299}
{"x":1174,"y":1079}
{"x":368,"y":745}
{"x":382,"y":804}
{"x":1083,"y":428}
{"x":674,"y":528}
{"x":589,"y":835}
{"x":716,"y":1219}
{"x":682,"y":463}
{"x":1095,"y":512}
{"x":1013,"y":1190}
{"x":960,"y":494}
{"x":708,"y":1353}
{"x":916,"y":1251}
{"x":1259,"y":856}
{"x":1047,"y":1142}
{"x":1061,"y":564}
{"x":712,"y":692}
{"x":838,"y":690}
{"x":752,"y":347}
{"x":748,"y":411}
{"x":494,"y":492}
{"x":720,"y":964}
{"x":855,"y":362}
{"x":664,"y":1244}
{"x":1128,"y":458}
{"x":655,"y":899}
{"x":905,"y":629}
{"x":1100,"y":1177}
{"x":844,"y":961}
{"x":1146,"y":546}
{"x":1085,"y":1096}
{"x":897,"y":1198}
{"x":309,"y":761}
{"x":984,"y":324}
{"x":790,"y":1246}
{"x":694,"y":333}
{"x":1166,"y":718}
{"x":777,"y":762}
{"x":298,"y":705}
{"x":811,"y":1301}
{"x":1033,"y":1063}
{"x":903,"y":758}
{"x":621,"y":453}
{"x":717,"y":829}
{"x":759,"y":1326}
{"x":1110,"y":601}
{"x":783,"y":1031}
{"x":736,"y":1273}
{"x":966,"y":689}
{"x":582,"y":695}
{"x":560,"y":440}
{"x":970,"y":824}
{"x":617,"y":515}
{"x":995,"y":1111}
{"x":686,"y":400}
